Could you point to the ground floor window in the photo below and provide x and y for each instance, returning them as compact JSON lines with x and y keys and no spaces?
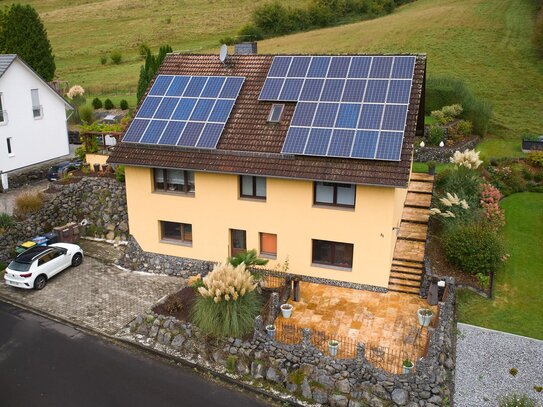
{"x":268,"y":245}
{"x":332,"y":253}
{"x":181,"y":232}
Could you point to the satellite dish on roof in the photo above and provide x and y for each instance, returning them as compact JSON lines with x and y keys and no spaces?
{"x":223,"y":53}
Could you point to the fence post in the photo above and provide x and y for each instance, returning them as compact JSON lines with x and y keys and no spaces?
{"x":306,"y":336}
{"x":274,"y":309}
{"x":491,"y":284}
{"x":360,"y":352}
{"x":259,"y":327}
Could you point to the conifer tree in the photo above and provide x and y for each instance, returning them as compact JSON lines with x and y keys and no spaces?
{"x":149,"y":69}
{"x":23,"y":33}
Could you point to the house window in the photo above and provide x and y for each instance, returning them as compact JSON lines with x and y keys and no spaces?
{"x":276,"y":113}
{"x":174,"y":180}
{"x":268,"y":245}
{"x":252,"y":187}
{"x":37,"y":110}
{"x":8,"y":141}
{"x":3,"y":113}
{"x":328,"y":193}
{"x":333,"y":253}
{"x":238,"y":241}
{"x":180,"y":232}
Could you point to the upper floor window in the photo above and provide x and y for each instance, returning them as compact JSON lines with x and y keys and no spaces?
{"x":174,"y":180}
{"x":252,"y":187}
{"x":276,"y":113}
{"x":3,"y":113}
{"x":37,"y":110}
{"x":328,"y":193}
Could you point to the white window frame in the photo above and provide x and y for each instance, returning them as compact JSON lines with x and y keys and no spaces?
{"x":4,"y":112}
{"x":275,"y":107}
{"x":36,"y":106}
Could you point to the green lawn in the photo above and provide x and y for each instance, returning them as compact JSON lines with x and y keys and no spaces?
{"x":518,"y":301}
{"x":498,"y":147}
{"x":423,"y":167}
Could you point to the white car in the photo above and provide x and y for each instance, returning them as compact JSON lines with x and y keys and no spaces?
{"x":33,"y":267}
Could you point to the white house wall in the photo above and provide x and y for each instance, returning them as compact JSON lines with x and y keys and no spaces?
{"x":32,"y":140}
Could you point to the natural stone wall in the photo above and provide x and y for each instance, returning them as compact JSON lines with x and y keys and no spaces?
{"x":136,"y":258}
{"x":102,"y":201}
{"x":304,"y":371}
{"x":442,"y":154}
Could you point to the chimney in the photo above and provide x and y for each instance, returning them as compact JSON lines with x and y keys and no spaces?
{"x":245,"y":48}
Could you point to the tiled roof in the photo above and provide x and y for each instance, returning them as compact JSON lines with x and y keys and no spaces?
{"x":251,"y":145}
{"x":5,"y":62}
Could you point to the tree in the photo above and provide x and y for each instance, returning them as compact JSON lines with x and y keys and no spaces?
{"x":23,"y":33}
{"x":149,"y":69}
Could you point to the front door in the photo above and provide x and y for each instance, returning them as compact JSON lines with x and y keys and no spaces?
{"x":238,"y":242}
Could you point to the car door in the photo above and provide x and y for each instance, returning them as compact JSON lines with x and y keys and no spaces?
{"x":58,"y":260}
{"x":50,"y":263}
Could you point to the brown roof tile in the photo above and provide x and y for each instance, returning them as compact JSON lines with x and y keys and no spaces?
{"x":251,"y":145}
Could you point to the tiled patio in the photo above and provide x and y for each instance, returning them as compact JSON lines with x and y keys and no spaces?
{"x":376,"y":319}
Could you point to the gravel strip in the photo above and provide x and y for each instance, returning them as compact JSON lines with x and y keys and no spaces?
{"x":483,"y":362}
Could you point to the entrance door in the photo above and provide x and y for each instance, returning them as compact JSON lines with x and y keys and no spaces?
{"x":238,"y":242}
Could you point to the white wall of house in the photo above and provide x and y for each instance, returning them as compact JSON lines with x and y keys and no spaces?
{"x":32,"y":139}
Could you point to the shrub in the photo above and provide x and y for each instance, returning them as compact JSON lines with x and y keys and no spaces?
{"x":116,"y":57}
{"x":119,"y":173}
{"x":463,"y":127}
{"x":474,"y":247}
{"x":297,"y":377}
{"x":231,"y":363}
{"x":6,"y":221}
{"x":123,"y":104}
{"x":108,"y":104}
{"x":535,"y":158}
{"x":272,"y":18}
{"x":28,"y":203}
{"x":479,"y":112}
{"x":490,"y":203}
{"x":85,"y":114}
{"x":442,"y":91}
{"x":516,"y":400}
{"x":227,"y":40}
{"x":97,"y":103}
{"x":435,"y":135}
{"x":452,"y":111}
{"x":538,"y":31}
{"x":250,"y":32}
{"x":227,"y":304}
{"x":466,"y":184}
{"x":249,"y":258}
{"x":103,"y":60}
{"x":143,"y":50}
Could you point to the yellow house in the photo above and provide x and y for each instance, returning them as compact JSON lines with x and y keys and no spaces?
{"x":303,"y":158}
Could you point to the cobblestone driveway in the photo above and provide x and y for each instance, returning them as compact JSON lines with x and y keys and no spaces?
{"x":95,"y":295}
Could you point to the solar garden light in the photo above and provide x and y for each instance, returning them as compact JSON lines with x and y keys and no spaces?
{"x":441,"y":144}
{"x":422,"y":145}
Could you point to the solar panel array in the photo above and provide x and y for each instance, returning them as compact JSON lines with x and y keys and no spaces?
{"x":188,"y":111}
{"x":347,"y":106}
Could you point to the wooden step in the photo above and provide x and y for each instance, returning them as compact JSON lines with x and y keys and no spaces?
{"x":413,"y":231}
{"x":419,"y":176}
{"x":420,"y":187}
{"x":409,"y":250}
{"x":406,"y":270}
{"x":403,"y":289}
{"x":417,"y":215}
{"x":405,"y":276}
{"x":403,"y":282}
{"x":417,"y":200}
{"x":411,"y":264}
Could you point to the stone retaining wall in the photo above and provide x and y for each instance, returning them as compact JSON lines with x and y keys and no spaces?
{"x":102,"y":201}
{"x":442,"y":154}
{"x":304,"y":371}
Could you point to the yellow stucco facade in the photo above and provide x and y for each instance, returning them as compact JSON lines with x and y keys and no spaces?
{"x":288,"y":211}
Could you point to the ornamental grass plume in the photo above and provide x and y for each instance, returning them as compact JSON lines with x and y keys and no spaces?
{"x":453,"y":206}
{"x":469,"y":159}
{"x":227,"y":282}
{"x":75,"y":90}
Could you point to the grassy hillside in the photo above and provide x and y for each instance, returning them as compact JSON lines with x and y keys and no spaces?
{"x":485,"y":42}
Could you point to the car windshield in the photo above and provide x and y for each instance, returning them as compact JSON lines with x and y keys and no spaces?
{"x":17,"y":266}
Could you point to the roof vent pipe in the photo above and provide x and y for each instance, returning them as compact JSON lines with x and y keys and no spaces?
{"x":245,"y":48}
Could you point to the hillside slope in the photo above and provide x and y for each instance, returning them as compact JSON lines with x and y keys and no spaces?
{"x":485,"y":42}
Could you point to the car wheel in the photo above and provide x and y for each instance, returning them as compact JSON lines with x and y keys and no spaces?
{"x":77,"y":259}
{"x":40,"y":282}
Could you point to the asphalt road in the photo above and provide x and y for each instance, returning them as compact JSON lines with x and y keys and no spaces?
{"x":45,"y":363}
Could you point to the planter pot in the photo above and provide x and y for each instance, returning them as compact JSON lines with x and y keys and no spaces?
{"x":407,"y":368}
{"x":286,"y":310}
{"x":333,"y":348}
{"x":424,"y":320}
{"x":270,"y":330}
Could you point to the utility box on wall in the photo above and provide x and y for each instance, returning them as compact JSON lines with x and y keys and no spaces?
{"x":68,"y":233}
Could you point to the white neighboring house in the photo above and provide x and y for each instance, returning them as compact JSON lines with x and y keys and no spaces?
{"x":33,"y":126}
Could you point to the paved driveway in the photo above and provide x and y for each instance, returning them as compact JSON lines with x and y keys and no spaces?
{"x":95,"y":295}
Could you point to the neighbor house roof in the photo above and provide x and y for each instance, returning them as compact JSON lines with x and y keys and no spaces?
{"x":5,"y":62}
{"x":251,"y":145}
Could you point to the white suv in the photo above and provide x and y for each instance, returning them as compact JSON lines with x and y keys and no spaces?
{"x":33,"y":267}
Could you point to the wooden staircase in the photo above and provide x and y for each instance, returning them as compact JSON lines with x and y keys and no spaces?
{"x":408,"y":260}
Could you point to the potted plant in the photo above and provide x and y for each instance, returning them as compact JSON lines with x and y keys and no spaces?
{"x":407,"y":366}
{"x":286,"y":310}
{"x":270,"y":329}
{"x":333,"y":346}
{"x":431,"y":167}
{"x":425,"y":316}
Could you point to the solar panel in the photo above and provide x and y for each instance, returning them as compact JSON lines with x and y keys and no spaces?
{"x":189,"y":111}
{"x":356,"y":103}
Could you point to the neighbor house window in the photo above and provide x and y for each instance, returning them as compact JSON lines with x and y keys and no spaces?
{"x":3,"y":113}
{"x":180,"y":232}
{"x":328,"y":193}
{"x":252,"y":187}
{"x":268,"y":245}
{"x":8,"y":141}
{"x":333,"y":253}
{"x":174,"y":180}
{"x":276,"y":113}
{"x":37,"y":110}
